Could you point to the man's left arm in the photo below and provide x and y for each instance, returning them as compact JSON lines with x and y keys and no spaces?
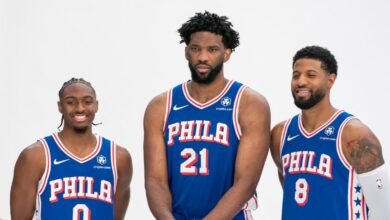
{"x":125,"y":172}
{"x":363,"y":151}
{"x":254,"y":120}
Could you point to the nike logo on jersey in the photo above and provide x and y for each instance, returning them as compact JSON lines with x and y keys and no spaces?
{"x":56,"y":162}
{"x":177,"y":108}
{"x":292,"y":138}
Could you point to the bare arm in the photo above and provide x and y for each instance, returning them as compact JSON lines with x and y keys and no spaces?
{"x":361,"y":147}
{"x":156,"y":174}
{"x":125,"y":173}
{"x":254,"y":119}
{"x":28,"y":171}
{"x":275,"y":149}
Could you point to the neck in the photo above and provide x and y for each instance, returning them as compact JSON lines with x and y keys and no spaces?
{"x":316,"y":116}
{"x":77,"y":142}
{"x":205,"y":92}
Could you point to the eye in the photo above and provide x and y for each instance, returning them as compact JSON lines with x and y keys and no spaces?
{"x":88,"y":101}
{"x":194,"y":49}
{"x":213,"y":50}
{"x":70,"y":102}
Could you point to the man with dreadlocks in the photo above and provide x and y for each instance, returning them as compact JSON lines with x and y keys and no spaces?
{"x":206,"y":140}
{"x":72,"y":174}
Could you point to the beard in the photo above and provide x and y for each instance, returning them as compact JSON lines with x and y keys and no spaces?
{"x":214,"y":72}
{"x":315,"y":98}
{"x":81,"y":130}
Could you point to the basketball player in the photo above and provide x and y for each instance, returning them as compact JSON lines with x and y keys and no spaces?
{"x":73,"y":174}
{"x":206,"y":140}
{"x":330,"y":164}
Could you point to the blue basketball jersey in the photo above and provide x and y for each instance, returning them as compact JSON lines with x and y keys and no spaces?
{"x":201,"y":144}
{"x":319,"y":183}
{"x":77,"y":188}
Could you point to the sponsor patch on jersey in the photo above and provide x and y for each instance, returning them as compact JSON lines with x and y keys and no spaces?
{"x":101,"y":160}
{"x":226,"y":101}
{"x":329,"y":131}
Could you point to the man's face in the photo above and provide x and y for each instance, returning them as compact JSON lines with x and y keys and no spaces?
{"x":78,"y":105}
{"x":206,"y":54}
{"x":310,"y":83}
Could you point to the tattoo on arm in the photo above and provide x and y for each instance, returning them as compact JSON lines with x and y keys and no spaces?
{"x":365,"y":155}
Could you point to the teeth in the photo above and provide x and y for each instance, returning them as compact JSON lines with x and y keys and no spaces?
{"x":79,"y":117}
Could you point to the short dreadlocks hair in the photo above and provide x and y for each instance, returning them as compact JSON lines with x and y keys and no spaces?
{"x":72,"y":81}
{"x":212,"y":23}
{"x":328,"y":61}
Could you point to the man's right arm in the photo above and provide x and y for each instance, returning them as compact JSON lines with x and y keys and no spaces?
{"x":276,"y":134}
{"x":28,"y":171}
{"x":156,"y":173}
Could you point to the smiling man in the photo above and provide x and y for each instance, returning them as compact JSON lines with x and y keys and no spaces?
{"x":329,"y":163}
{"x":73,"y":174}
{"x":206,"y":140}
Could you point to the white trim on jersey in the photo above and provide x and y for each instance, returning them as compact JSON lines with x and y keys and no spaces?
{"x":355,"y":194}
{"x":316,"y":131}
{"x":74,"y":157}
{"x":248,"y":215}
{"x":236,"y":106}
{"x":113,"y":164}
{"x":208,"y":103}
{"x":339,"y":144}
{"x":168,"y":106}
{"x":43,"y":181}
{"x":46,"y":172}
{"x":283,"y":136}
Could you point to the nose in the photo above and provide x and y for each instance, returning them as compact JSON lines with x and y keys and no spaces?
{"x":301,"y":81}
{"x":203,"y":56}
{"x":80,"y":107}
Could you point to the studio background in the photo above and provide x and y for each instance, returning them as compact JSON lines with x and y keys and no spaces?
{"x":130,"y":52}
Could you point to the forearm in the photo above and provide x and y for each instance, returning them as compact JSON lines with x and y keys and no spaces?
{"x":159,"y":200}
{"x":233,"y":201}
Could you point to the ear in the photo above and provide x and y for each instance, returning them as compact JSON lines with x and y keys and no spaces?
{"x":226,"y":55}
{"x":97,"y":106}
{"x":59,"y":107}
{"x":331,"y":79}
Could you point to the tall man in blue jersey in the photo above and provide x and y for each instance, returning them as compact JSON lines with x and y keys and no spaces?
{"x":206,"y":140}
{"x":72,"y":174}
{"x":329,"y":163}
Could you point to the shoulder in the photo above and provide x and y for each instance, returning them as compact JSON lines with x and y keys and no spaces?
{"x":361,"y":147}
{"x":123,"y":159}
{"x":278,"y":129}
{"x":252,"y":100}
{"x":157,"y":104}
{"x":356,"y":130}
{"x":33,"y":155}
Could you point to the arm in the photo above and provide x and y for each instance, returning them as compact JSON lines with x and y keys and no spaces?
{"x":156,"y":174}
{"x":254,"y":119}
{"x":276,"y":134}
{"x":28,"y":171}
{"x":364,"y":153}
{"x":125,"y":173}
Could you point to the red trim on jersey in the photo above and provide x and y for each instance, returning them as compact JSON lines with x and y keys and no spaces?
{"x":283,"y":136}
{"x":113,"y":164}
{"x":208,"y":103}
{"x":339,"y":144}
{"x":351,"y":184}
{"x":236,"y":124}
{"x":168,"y":106}
{"x":310,"y":134}
{"x":47,"y":166}
{"x":364,"y":207}
{"x":74,"y":157}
